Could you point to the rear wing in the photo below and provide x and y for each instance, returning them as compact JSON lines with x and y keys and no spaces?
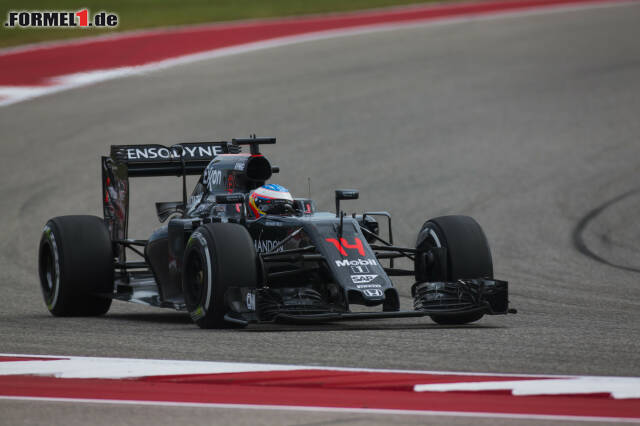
{"x":183,"y":159}
{"x":127,"y":161}
{"x":157,"y":160}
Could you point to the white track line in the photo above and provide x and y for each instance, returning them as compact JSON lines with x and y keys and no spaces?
{"x":119,"y":368}
{"x":618,"y":387}
{"x":98,"y":368}
{"x":540,"y":417}
{"x":89,"y":367}
{"x":101,"y":367}
{"x":71,"y":81}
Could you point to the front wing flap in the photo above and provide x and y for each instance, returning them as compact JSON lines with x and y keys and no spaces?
{"x":461,"y":295}
{"x":344,"y":316}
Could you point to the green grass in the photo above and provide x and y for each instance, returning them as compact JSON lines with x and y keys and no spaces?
{"x":135,"y":14}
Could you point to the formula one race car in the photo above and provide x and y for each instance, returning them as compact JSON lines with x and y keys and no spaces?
{"x":231,"y":254}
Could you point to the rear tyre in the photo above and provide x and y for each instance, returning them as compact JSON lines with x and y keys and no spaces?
{"x":468,"y":255}
{"x":75,"y":264}
{"x":217,"y":256}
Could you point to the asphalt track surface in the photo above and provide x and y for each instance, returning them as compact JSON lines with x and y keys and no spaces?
{"x":529,"y":124}
{"x":23,"y":413}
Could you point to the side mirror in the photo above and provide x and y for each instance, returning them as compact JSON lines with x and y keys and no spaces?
{"x":236,"y":198}
{"x":345,"y":194}
{"x":229,"y":198}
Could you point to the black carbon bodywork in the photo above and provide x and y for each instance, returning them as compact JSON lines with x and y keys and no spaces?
{"x":314,"y":265}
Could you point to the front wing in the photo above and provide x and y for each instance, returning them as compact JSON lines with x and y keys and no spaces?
{"x":463,"y":297}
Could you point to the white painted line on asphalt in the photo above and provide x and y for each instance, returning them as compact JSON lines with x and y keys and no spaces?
{"x":101,"y":367}
{"x":539,"y":417}
{"x":118,"y":368}
{"x":617,"y":387}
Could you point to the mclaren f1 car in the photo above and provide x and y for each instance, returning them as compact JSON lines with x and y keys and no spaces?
{"x":228,"y":267}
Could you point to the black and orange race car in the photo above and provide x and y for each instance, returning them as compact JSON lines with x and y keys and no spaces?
{"x":227,"y":267}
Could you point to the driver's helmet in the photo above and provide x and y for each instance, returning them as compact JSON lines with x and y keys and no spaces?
{"x":271,"y":199}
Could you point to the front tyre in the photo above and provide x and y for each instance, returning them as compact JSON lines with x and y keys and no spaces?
{"x":217,"y":256}
{"x":467,"y":253}
{"x":75,"y":265}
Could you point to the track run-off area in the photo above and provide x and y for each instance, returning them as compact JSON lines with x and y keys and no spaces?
{"x":522,"y":115}
{"x":301,"y":388}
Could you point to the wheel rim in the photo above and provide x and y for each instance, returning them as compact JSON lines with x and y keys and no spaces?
{"x":48,"y":271}
{"x":433,"y":240}
{"x":195,"y":279}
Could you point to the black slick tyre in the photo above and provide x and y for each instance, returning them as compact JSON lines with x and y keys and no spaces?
{"x":75,"y":265}
{"x":468,"y":255}
{"x":217,"y":256}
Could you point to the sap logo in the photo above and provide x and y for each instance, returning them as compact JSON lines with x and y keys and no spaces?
{"x":358,"y":262}
{"x":374,"y":292}
{"x":239,"y":166}
{"x":265,"y":246}
{"x":362,"y":279}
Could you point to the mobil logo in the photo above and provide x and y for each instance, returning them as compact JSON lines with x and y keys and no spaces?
{"x":356,"y":262}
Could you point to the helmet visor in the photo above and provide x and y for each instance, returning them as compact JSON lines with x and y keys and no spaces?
{"x":276,"y":206}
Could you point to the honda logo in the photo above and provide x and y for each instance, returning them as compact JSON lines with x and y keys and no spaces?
{"x":373,"y":292}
